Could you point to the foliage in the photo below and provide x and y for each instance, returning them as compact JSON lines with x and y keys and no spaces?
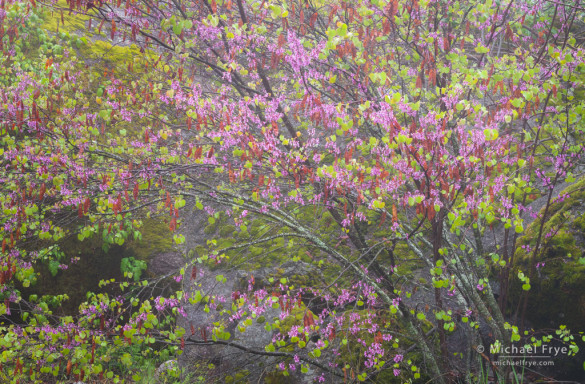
{"x":133,"y":268}
{"x":377,"y":141}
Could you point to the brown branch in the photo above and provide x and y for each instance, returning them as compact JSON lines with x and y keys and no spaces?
{"x":308,"y":360}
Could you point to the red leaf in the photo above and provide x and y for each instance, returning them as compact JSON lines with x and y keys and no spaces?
{"x":332,"y":334}
{"x":378,"y":338}
{"x":92,"y":351}
{"x":42,"y":191}
{"x":313,"y":19}
{"x":113,"y":30}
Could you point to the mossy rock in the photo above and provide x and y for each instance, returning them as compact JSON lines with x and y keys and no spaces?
{"x":70,"y":22}
{"x":557,"y":295}
{"x":156,"y":239}
{"x":226,"y":230}
{"x":198,"y":251}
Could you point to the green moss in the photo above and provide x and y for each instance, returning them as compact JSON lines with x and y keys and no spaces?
{"x":224,"y":243}
{"x":562,"y":245}
{"x":255,"y":251}
{"x":257,"y":227}
{"x":70,"y":22}
{"x":276,"y":243}
{"x":406,"y":261}
{"x":115,"y":57}
{"x":579,"y":223}
{"x":200,"y":250}
{"x":156,"y":238}
{"x":210,"y":229}
{"x":227,"y":230}
{"x":244,"y":235}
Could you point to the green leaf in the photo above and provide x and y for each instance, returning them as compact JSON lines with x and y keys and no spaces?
{"x":126,"y":359}
{"x":517,"y":103}
{"x":481,"y":49}
{"x":276,"y":11}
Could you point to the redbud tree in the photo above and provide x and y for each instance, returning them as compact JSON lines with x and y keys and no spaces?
{"x":393,"y":145}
